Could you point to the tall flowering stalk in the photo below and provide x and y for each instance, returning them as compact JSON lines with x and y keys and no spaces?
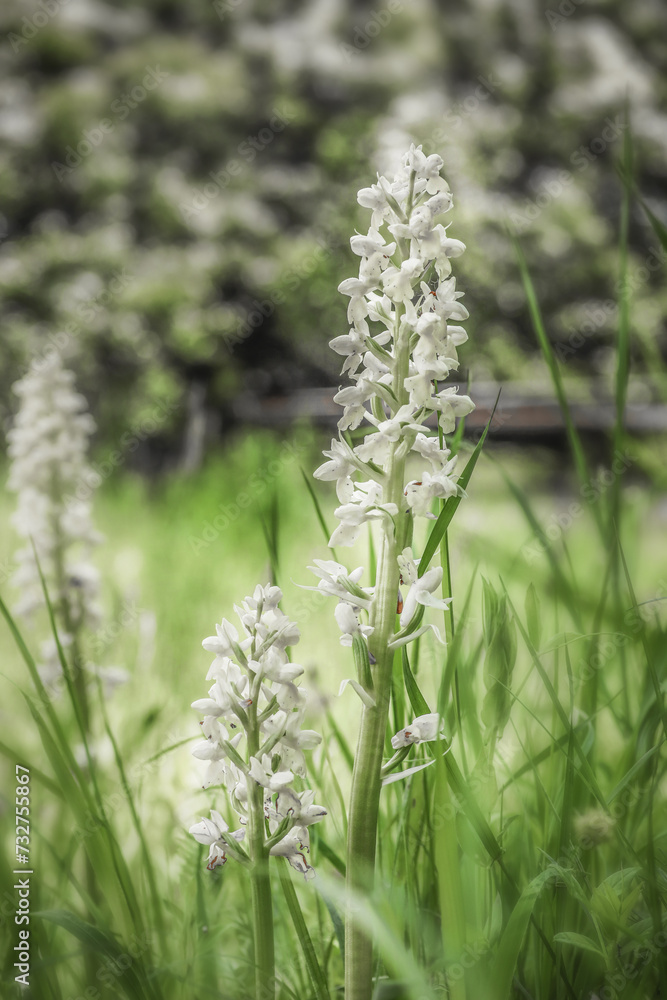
{"x":404,"y":309}
{"x":254,"y":745}
{"x":48,"y":445}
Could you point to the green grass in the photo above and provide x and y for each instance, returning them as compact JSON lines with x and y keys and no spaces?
{"x":490,"y":864}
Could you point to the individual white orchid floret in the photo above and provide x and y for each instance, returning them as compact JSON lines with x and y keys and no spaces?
{"x":427,"y":169}
{"x":349,"y":624}
{"x":286,"y":737}
{"x":357,"y":288}
{"x":223,"y":642}
{"x":366,"y":505}
{"x":275,"y":666}
{"x":429,"y":448}
{"x":340,"y":467}
{"x":427,"y":370}
{"x":376,"y":447}
{"x":275,"y":781}
{"x":375,"y":198}
{"x":444,"y":301}
{"x":352,"y":346}
{"x":208,"y":706}
{"x":299,"y":739}
{"x":450,"y":405}
{"x":421,"y":587}
{"x":207,"y":831}
{"x":398,"y":281}
{"x":285,"y":633}
{"x":373,"y":243}
{"x":211,"y":832}
{"x":310,"y":812}
{"x":352,"y":398}
{"x":268,"y":598}
{"x":296,"y":848}
{"x":211,"y":749}
{"x":439,"y":485}
{"x":336,"y":581}
{"x":423,"y":729}
{"x":439,"y":247}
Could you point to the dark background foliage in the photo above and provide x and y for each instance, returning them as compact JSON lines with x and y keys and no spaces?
{"x":178,"y":181}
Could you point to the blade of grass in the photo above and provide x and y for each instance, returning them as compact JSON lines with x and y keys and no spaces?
{"x":317,"y":977}
{"x":35,"y":773}
{"x":503,"y":967}
{"x":456,"y":779}
{"x":653,"y":673}
{"x":448,"y":874}
{"x":328,"y":852}
{"x":136,"y":822}
{"x":132,"y":978}
{"x":206,"y":957}
{"x":347,"y":753}
{"x":623,"y":337}
{"x":318,"y":510}
{"x":417,"y":699}
{"x":658,"y":227}
{"x":44,"y":698}
{"x":565,"y":587}
{"x":585,"y":767}
{"x":576,"y":446}
{"x":629,"y":775}
{"x":451,"y":506}
{"x":452,"y":657}
{"x":80,"y":712}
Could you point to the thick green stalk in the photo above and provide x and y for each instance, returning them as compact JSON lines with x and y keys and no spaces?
{"x":262,"y":909}
{"x":366,"y":776}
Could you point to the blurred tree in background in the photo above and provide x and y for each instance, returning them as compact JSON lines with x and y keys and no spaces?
{"x":175,"y":183}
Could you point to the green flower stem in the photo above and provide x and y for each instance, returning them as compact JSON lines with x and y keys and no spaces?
{"x":366,"y":777}
{"x":262,"y":909}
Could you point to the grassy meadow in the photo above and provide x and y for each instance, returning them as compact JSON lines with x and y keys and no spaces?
{"x":529,"y":859}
